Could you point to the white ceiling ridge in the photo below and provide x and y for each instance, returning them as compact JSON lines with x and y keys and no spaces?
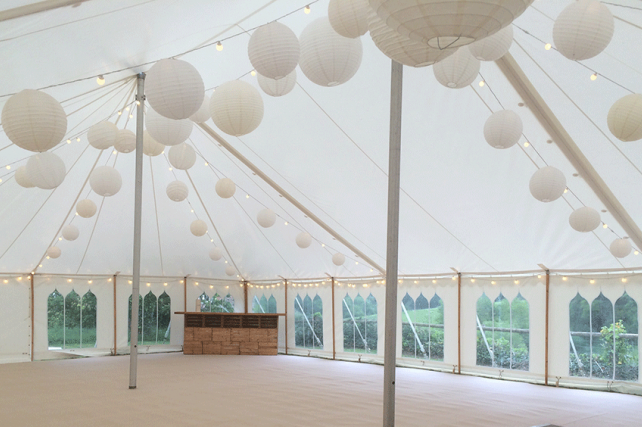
{"x":31,"y":9}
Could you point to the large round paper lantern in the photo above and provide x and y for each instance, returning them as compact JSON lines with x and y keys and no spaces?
{"x":86,"y":208}
{"x":46,"y":170}
{"x":216,"y":254}
{"x":327,"y":58}
{"x":105,"y":181}
{"x":151,"y":147}
{"x":198,"y":227}
{"x":303,"y":240}
{"x":277,"y":87}
{"x":182,"y":156}
{"x":583,"y":29}
{"x":230,"y":271}
{"x":503,"y":129}
{"x":338,"y":259}
{"x":584,"y":219}
{"x":493,"y":47}
{"x":225,"y":188}
{"x":174,"y":89}
{"x":625,"y":118}
{"x":266,"y":218}
{"x":125,"y":141}
{"x":620,"y":248}
{"x":458,"y":70}
{"x":236,"y":108}
{"x":203,"y":113}
{"x":22,"y":177}
{"x":34,"y":120}
{"x":273,"y":50}
{"x":167,"y":131}
{"x":177,"y":191}
{"x":448,"y":23}
{"x":102,"y":135}
{"x":70,"y":232}
{"x":547,"y":184}
{"x":349,"y":18}
{"x":54,"y":252}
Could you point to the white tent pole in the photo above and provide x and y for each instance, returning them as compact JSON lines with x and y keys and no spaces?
{"x":30,"y":9}
{"x":392,"y":253}
{"x":138,"y":203}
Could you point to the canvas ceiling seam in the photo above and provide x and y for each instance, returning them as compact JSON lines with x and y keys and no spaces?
{"x":160,"y":245}
{"x":100,"y":209}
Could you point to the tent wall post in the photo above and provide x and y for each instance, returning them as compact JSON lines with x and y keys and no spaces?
{"x":245,"y":295}
{"x":115,"y":336}
{"x":548,"y":277}
{"x":32,"y":319}
{"x":334,"y":347}
{"x":285,"y":283}
{"x":459,"y":323}
{"x":392,"y":253}
{"x":185,"y":292}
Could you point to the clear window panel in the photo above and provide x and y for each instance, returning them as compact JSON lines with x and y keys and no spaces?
{"x":55,"y":320}
{"x":150,"y":319}
{"x":501,"y":339}
{"x":88,"y":330}
{"x":436,"y":320}
{"x":625,"y":337}
{"x":520,"y":333}
{"x":72,"y":320}
{"x":272,"y":304}
{"x":602,"y":340}
{"x":164,"y":318}
{"x":580,"y":337}
{"x":408,"y":341}
{"x":484,"y":334}
{"x":206,"y":304}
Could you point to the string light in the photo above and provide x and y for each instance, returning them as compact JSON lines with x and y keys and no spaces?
{"x":594,"y":76}
{"x":137,"y":102}
{"x":564,"y":278}
{"x":307,"y":9}
{"x":69,"y":141}
{"x":114,"y":152}
{"x":517,"y":282}
{"x":286,"y":223}
{"x":78,"y":139}
{"x":482,"y":83}
{"x":164,"y":284}
{"x":8,"y":167}
{"x":605,"y":226}
{"x":219,"y":46}
{"x":100,"y":80}
{"x":253,"y":73}
{"x":434,"y":281}
{"x":206,"y":163}
{"x":624,"y":279}
{"x":565,"y":190}
{"x":591,"y":281}
{"x":526,"y":144}
{"x":472,"y":280}
{"x":493,"y":282}
{"x":131,"y":116}
{"x":636,"y":253}
{"x":247,"y":196}
{"x":120,"y":113}
{"x":90,"y":281}
{"x":547,"y":46}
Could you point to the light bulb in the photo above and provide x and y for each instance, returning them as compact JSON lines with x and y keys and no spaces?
{"x":594,"y":76}
{"x":114,"y":152}
{"x":323,"y":245}
{"x":192,"y":211}
{"x":169,"y":168}
{"x":100,"y":80}
{"x":472,"y":280}
{"x":547,"y":46}
{"x":206,"y":163}
{"x":286,"y":223}
{"x":591,"y":281}
{"x":126,"y":108}
{"x":307,"y":9}
{"x":131,"y":116}
{"x":564,"y":278}
{"x":8,"y":167}
{"x":624,"y":279}
{"x":90,"y":281}
{"x":636,"y":253}
{"x":40,"y":266}
{"x":493,"y":282}
{"x":120,"y":112}
{"x":69,"y":141}
{"x":517,"y":282}
{"x":164,"y":284}
{"x":59,"y":238}
{"x":78,"y":139}
{"x":434,"y":281}
{"x":253,"y":73}
{"x":526,"y":144}
{"x":482,"y":83}
{"x":219,"y":46}
{"x":247,"y":196}
{"x":137,"y":102}
{"x":565,"y":190}
{"x":605,"y":226}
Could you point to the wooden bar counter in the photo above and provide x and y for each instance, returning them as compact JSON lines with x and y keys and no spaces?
{"x":231,"y":333}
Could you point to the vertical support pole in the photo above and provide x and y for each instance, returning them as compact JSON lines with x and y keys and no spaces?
{"x":334,"y":348}
{"x":548,"y":277}
{"x":285,"y":283}
{"x":138,"y":203}
{"x":392,"y":252}
{"x":245,"y":294}
{"x":32,"y":319}
{"x":459,"y":323}
{"x":115,"y":340}
{"x":185,"y":293}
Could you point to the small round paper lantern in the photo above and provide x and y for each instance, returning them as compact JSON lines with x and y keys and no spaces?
{"x":22,"y":177}
{"x":584,"y":219}
{"x":102,"y":135}
{"x":182,"y":156}
{"x":493,"y":47}
{"x":216,"y":254}
{"x":70,"y":232}
{"x":349,"y":18}
{"x":273,"y":50}
{"x":620,"y":248}
{"x":86,"y":208}
{"x":236,"y":108}
{"x":338,"y":259}
{"x":277,"y":87}
{"x":327,"y":58}
{"x":174,"y":89}
{"x":458,"y":70}
{"x":547,"y":184}
{"x":583,"y":29}
{"x":503,"y":129}
{"x":198,"y":227}
{"x":225,"y":188}
{"x":625,"y":118}
{"x":34,"y":120}
{"x":167,"y":131}
{"x":125,"y":141}
{"x":54,"y":252}
{"x":230,"y":271}
{"x":177,"y":191}
{"x":46,"y":170}
{"x":105,"y":181}
{"x":266,"y":218}
{"x":203,"y":113}
{"x":303,"y":240}
{"x":151,"y":147}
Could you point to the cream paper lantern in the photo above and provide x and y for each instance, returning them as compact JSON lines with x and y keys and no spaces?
{"x":625,"y":118}
{"x":46,"y":170}
{"x":547,"y":184}
{"x":86,"y":208}
{"x":327,"y":58}
{"x":225,"y":188}
{"x":583,"y":29}
{"x":177,"y":191}
{"x":620,"y":248}
{"x":458,"y":70}
{"x":266,"y":218}
{"x":167,"y":131}
{"x":174,"y":89}
{"x":303,"y":240}
{"x":54,"y":252}
{"x":22,"y":177}
{"x":198,"y":227}
{"x":70,"y":232}
{"x":448,"y":23}
{"x":34,"y":120}
{"x":503,"y":129}
{"x":493,"y":47}
{"x":230,"y":271}
{"x":236,"y":108}
{"x":105,"y":181}
{"x":338,"y":259}
{"x":584,"y":219}
{"x":151,"y":147}
{"x":349,"y":18}
{"x":277,"y":87}
{"x":203,"y":113}
{"x":102,"y":135}
{"x":125,"y":141}
{"x":273,"y":50}
{"x":216,"y":254}
{"x":182,"y":156}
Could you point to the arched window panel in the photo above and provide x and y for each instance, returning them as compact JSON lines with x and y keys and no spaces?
{"x":625,"y":338}
{"x":299,"y":322}
{"x":579,"y":337}
{"x":408,"y":340}
{"x":222,"y":303}
{"x":204,"y":303}
{"x":55,"y":320}
{"x":520,"y":333}
{"x":88,"y":320}
{"x":501,"y":339}
{"x":601,"y":340}
{"x":422,"y":327}
{"x":485,"y":355}
{"x":308,"y":322}
{"x":349,"y":327}
{"x":164,"y":319}
{"x":72,"y":320}
{"x":272,"y":307}
{"x":140,"y":319}
{"x":150,"y":319}
{"x":360,"y":324}
{"x":436,"y":329}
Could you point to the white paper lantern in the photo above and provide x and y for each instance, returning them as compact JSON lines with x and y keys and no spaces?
{"x":503,"y":129}
{"x":273,"y":50}
{"x":448,"y":23}
{"x":583,"y":29}
{"x":22,"y":177}
{"x":102,"y":135}
{"x":277,"y":87}
{"x":177,"y":191}
{"x":151,"y":147}
{"x":338,"y":259}
{"x":125,"y":141}
{"x":203,"y":113}
{"x":182,"y":156}
{"x":620,"y":248}
{"x":584,"y":219}
{"x":266,"y":218}
{"x":303,"y":240}
{"x":105,"y":181}
{"x":236,"y":108}
{"x":225,"y":188}
{"x":230,"y":271}
{"x":46,"y":170}
{"x":547,"y":184}
{"x":198,"y":227}
{"x":327,"y":58}
{"x":625,"y":118}
{"x":174,"y":89}
{"x":86,"y":208}
{"x":349,"y":18}
{"x":70,"y":232}
{"x":216,"y":254}
{"x":34,"y":120}
{"x":458,"y":70}
{"x":167,"y":131}
{"x":493,"y":47}
{"x":54,"y":252}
